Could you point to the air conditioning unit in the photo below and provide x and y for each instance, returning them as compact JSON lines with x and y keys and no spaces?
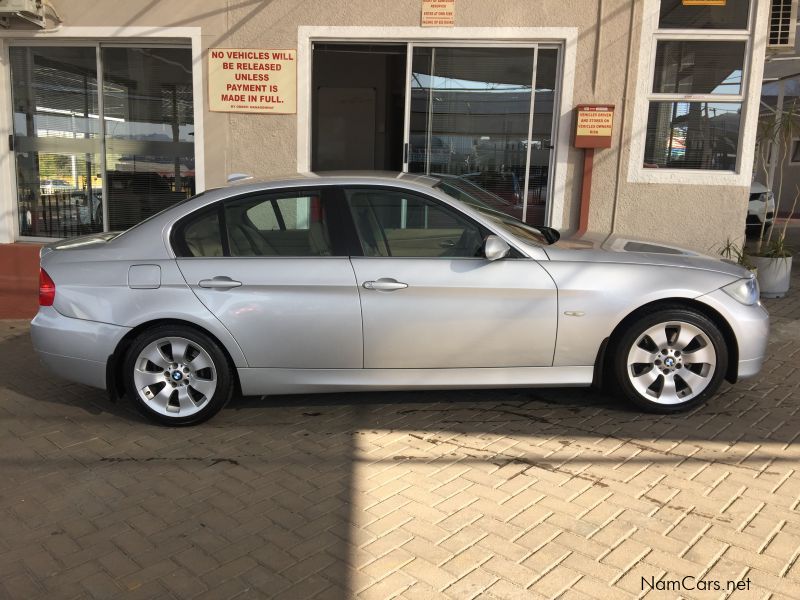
{"x":22,"y":14}
{"x":782,"y":25}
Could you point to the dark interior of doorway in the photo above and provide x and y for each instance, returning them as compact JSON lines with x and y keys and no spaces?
{"x":358,"y":106}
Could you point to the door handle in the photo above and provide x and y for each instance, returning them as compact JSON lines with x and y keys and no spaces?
{"x":384,"y":284}
{"x":447,"y":244}
{"x":219,"y":283}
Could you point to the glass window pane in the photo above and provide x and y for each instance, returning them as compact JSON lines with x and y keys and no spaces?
{"x":699,"y":67}
{"x":796,"y":151}
{"x":56,"y":140}
{"x":199,"y":235}
{"x":470,"y":111}
{"x":397,"y":224}
{"x":693,"y":135}
{"x":278,"y":226}
{"x":674,"y":15}
{"x":149,"y":120}
{"x":470,"y":117}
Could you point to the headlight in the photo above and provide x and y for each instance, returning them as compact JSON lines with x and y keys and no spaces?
{"x":744,"y":290}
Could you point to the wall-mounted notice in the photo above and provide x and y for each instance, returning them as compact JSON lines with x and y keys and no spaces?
{"x":249,"y":80}
{"x":438,"y":13}
{"x":593,"y":125}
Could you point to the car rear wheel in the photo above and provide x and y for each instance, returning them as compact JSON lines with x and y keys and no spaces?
{"x":670,"y":361}
{"x":177,"y":375}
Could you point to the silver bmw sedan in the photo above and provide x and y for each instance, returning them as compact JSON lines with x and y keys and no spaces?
{"x":384,"y":282}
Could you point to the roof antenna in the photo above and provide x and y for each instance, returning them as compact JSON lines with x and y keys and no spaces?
{"x":234,"y":177}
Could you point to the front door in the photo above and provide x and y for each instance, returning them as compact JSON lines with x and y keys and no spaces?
{"x":277,"y":275}
{"x":430,"y":300}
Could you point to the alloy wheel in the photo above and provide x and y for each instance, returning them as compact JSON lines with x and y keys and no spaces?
{"x":175,"y":376}
{"x":671,"y":362}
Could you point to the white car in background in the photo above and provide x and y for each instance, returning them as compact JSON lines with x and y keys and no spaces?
{"x":761,"y":207}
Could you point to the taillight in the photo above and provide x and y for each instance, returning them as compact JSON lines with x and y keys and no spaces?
{"x":47,"y":289}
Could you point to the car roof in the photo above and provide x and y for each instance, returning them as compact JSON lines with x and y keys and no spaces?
{"x":334,"y":177}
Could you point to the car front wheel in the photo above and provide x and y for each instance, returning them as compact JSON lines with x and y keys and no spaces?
{"x":177,"y":375}
{"x":670,"y":360}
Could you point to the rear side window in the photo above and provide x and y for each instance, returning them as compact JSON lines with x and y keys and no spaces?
{"x":296,"y":223}
{"x":278,"y":225}
{"x":199,"y":235}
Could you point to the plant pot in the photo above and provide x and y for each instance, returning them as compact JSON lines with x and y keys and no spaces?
{"x":773,"y":275}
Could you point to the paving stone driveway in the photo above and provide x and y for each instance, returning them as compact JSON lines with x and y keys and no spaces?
{"x":491,"y":494}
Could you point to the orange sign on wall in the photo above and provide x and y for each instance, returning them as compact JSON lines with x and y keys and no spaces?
{"x":594,"y":124}
{"x":703,"y":2}
{"x":438,"y":13}
{"x":252,"y":80}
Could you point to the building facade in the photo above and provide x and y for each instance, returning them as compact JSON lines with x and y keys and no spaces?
{"x":108,"y":118}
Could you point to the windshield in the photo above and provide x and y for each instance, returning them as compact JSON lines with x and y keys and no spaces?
{"x":491,"y":207}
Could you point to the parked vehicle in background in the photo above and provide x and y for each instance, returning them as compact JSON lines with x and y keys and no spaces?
{"x":51,"y":186}
{"x":761,"y":207}
{"x":383,"y":282}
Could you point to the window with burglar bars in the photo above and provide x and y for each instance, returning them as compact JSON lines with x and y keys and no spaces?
{"x":782,"y":23}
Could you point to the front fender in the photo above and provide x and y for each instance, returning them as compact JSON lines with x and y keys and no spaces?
{"x":593,"y":298}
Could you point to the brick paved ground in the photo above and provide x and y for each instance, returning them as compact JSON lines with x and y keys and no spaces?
{"x":498,"y":494}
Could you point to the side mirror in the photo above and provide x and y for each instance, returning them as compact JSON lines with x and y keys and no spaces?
{"x":495,"y":248}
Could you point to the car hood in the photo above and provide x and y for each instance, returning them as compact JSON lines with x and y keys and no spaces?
{"x":593,"y":247}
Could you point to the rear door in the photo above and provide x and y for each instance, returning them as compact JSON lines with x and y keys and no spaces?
{"x":430,"y":299}
{"x":274,"y":268}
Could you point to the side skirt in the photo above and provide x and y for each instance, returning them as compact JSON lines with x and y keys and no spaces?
{"x":309,"y":381}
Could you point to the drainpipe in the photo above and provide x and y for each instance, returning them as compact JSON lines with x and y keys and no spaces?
{"x":586,"y":190}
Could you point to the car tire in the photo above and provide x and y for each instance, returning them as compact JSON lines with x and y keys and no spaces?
{"x":177,"y":375}
{"x":669,"y":361}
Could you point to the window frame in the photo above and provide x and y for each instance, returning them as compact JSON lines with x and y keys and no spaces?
{"x":513,"y":254}
{"x":339,"y":223}
{"x":795,"y":146}
{"x":71,"y":36}
{"x":752,"y":70}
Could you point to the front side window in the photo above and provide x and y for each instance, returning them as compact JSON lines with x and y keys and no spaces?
{"x":399,"y":224}
{"x":278,"y":225}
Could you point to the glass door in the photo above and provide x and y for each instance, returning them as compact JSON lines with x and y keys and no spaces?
{"x":484,"y":116}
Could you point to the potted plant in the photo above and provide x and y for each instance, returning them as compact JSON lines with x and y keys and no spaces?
{"x":772,"y":257}
{"x":774,"y":268}
{"x":732,"y":252}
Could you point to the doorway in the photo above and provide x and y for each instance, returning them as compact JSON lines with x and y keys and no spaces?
{"x":358,"y":103}
{"x":482,"y":113}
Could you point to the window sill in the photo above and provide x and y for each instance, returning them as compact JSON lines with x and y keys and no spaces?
{"x":688,"y":177}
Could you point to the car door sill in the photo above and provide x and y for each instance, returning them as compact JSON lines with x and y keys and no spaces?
{"x":255,"y":381}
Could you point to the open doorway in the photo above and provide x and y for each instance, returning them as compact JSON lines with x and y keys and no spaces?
{"x":358,"y":105}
